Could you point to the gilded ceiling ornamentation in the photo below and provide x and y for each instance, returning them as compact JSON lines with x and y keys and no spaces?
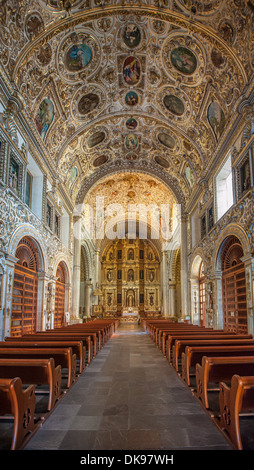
{"x":183,"y":57}
{"x":78,"y":56}
{"x":87,"y":102}
{"x":175,"y":104}
{"x":165,"y":74}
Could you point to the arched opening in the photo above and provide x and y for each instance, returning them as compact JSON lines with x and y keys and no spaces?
{"x":233,"y":286}
{"x":198,"y":307}
{"x":59,"y":315}
{"x":25,"y":288}
{"x":201,"y":282}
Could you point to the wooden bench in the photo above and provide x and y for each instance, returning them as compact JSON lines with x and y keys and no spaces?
{"x":69,"y":336}
{"x":95,"y":334}
{"x":77,"y":346}
{"x":37,"y":372}
{"x":214,"y":370}
{"x":63,"y":357}
{"x":188,"y":329}
{"x":20,"y":404}
{"x":34,"y":337}
{"x":170,"y":339}
{"x":234,"y":400}
{"x":193,"y":356}
{"x":180,"y":345}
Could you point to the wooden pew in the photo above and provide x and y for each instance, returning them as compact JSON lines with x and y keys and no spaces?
{"x":170,"y":339}
{"x":77,"y":346}
{"x":54,"y":334}
{"x":234,"y":400}
{"x":193,"y":355}
{"x":19,"y":403}
{"x":188,"y":329}
{"x":35,"y":371}
{"x":34,"y":337}
{"x":227,"y":340}
{"x":63,"y":357}
{"x":220,"y":369}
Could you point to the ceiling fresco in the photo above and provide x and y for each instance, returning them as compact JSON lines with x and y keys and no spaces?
{"x":111,"y":86}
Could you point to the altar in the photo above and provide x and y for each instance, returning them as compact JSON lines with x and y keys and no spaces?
{"x":130,"y":315}
{"x":130,"y":311}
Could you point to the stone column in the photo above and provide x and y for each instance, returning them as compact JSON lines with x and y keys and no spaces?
{"x":185,"y":308}
{"x":216,"y":279}
{"x":76,"y":266}
{"x":195,"y":314}
{"x":172,"y":298}
{"x":164,"y":284}
{"x":88,"y":294}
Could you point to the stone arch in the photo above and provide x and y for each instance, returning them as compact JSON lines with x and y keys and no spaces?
{"x":230,"y":230}
{"x":235,"y":232}
{"x":30,"y":232}
{"x":196,"y":294}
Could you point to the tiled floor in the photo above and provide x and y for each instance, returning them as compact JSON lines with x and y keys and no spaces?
{"x":128,"y":398}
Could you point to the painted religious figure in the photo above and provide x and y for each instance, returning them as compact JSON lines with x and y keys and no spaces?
{"x":44,"y":117}
{"x":72,"y":176}
{"x":131,"y":98}
{"x":88,"y":103}
{"x":131,"y":141}
{"x":131,"y":123}
{"x":131,"y":35}
{"x":174,"y":104}
{"x":95,"y":139}
{"x":162,"y":161}
{"x":184,"y":60}
{"x":131,"y":70}
{"x":77,"y":57}
{"x":166,"y":140}
{"x":216,"y":118}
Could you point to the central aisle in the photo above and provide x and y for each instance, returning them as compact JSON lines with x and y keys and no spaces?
{"x":128,"y":398}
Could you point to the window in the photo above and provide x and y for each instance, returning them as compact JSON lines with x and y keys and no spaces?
{"x":57,"y":225}
{"x":224,"y":188}
{"x":14,"y":176}
{"x":28,"y":192}
{"x":49,"y":215}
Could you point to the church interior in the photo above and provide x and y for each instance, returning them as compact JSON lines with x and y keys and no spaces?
{"x":126,"y":208}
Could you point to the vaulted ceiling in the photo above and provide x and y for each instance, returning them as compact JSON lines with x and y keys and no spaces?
{"x":109,"y":86}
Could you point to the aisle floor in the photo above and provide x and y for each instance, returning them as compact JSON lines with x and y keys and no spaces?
{"x":129,"y":397}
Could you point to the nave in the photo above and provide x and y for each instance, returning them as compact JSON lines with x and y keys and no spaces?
{"x":129,"y":397}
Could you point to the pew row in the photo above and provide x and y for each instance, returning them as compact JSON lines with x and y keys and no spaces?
{"x":19,"y":404}
{"x":37,"y":372}
{"x":214,"y":370}
{"x":63,"y":357}
{"x":77,"y":346}
{"x":226,"y":340}
{"x":168,"y":339}
{"x":193,"y":355}
{"x":55,"y":339}
{"x":235,"y":399}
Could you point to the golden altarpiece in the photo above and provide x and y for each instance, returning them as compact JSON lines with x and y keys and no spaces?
{"x":130,"y":281}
